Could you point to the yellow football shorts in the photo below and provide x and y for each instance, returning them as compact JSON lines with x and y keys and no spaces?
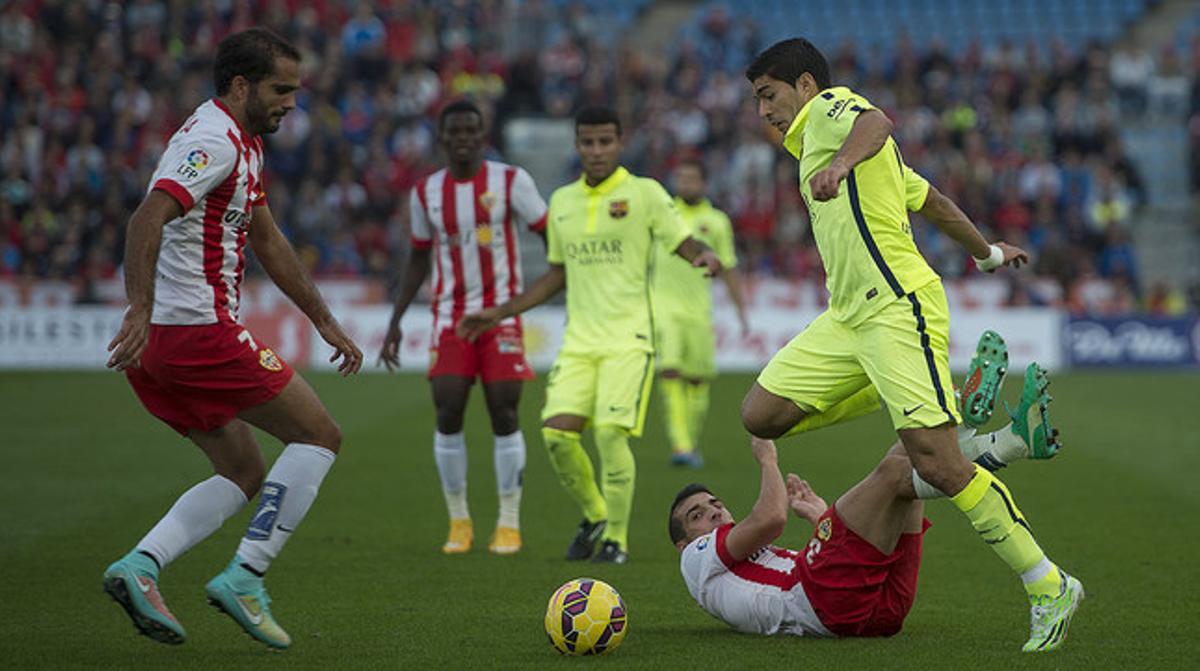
{"x":686,"y":344}
{"x":903,"y":350}
{"x":609,"y":389}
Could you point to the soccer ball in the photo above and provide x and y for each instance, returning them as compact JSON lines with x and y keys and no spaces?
{"x":586,"y":617}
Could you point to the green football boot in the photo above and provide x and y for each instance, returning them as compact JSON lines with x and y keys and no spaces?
{"x":1050,"y":616}
{"x":977,"y":399}
{"x":241,"y":595}
{"x":132,"y":581}
{"x":1031,"y":419}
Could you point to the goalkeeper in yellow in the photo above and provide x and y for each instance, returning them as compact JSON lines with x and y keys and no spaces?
{"x":683,"y":315}
{"x":601,"y":233}
{"x":885,"y":334}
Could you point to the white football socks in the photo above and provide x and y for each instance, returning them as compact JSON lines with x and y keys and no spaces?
{"x":450,"y":453}
{"x":195,"y":516}
{"x":285,"y":498}
{"x":509,"y":458}
{"x":992,"y":451}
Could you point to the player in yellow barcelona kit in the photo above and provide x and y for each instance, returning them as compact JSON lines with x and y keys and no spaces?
{"x":885,"y":334}
{"x":683,"y":315}
{"x":601,"y":234}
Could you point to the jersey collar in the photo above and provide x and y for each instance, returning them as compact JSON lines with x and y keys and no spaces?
{"x":221,"y":106}
{"x":793,"y":139}
{"x":684,"y":205}
{"x":611,"y":182}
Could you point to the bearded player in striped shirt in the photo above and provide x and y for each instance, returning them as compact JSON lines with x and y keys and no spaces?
{"x":201,"y":372}
{"x":465,"y":219}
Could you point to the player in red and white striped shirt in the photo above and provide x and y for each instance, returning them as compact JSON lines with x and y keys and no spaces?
{"x":196,"y":368}
{"x":465,"y":222}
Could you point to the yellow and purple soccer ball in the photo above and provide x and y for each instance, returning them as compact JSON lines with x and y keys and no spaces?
{"x":586,"y":617}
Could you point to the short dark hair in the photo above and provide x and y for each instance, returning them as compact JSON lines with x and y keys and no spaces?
{"x":595,"y":115}
{"x":460,"y":106}
{"x":251,"y":54}
{"x":675,"y":525}
{"x":789,"y":59}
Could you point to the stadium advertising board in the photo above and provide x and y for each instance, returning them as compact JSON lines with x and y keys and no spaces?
{"x":1134,"y":342}
{"x":77,"y":336}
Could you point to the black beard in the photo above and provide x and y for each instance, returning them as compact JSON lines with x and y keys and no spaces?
{"x":257,"y":117}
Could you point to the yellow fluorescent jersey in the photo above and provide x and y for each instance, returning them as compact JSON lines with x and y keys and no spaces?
{"x":605,"y":236}
{"x":679,"y":287}
{"x":863,"y":234}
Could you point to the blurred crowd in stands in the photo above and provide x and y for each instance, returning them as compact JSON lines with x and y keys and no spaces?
{"x":1023,"y":137}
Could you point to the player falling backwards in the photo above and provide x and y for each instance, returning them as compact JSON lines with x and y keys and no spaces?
{"x":466,"y":216}
{"x":197,"y":369}
{"x":857,"y":576}
{"x":683,"y":315}
{"x":601,"y":233}
{"x":885,"y":334}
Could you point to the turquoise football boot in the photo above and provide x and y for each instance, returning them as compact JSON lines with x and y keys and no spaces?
{"x":241,"y":595}
{"x":132,"y":581}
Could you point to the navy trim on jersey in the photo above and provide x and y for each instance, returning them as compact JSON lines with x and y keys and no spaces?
{"x":872,"y":248}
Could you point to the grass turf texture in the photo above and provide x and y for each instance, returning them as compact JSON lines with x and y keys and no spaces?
{"x":362,"y":584}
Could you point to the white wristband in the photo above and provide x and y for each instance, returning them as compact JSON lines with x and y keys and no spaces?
{"x":994,"y":260}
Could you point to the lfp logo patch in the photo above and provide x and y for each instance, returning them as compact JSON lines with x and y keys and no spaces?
{"x":197,"y":159}
{"x":825,"y":529}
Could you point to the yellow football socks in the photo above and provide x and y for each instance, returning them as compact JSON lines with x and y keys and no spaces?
{"x":986,"y":502}
{"x":862,"y":402}
{"x":675,"y":411}
{"x":574,"y":469}
{"x":618,"y":470}
{"x":697,"y":410}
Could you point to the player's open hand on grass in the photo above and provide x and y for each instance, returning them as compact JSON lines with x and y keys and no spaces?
{"x":389,"y":355}
{"x":129,"y":343}
{"x":477,"y":323}
{"x":825,"y":184}
{"x":344,"y":348}
{"x":708,"y":260}
{"x":803,"y":500}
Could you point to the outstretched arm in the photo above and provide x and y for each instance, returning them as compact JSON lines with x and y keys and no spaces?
{"x":733,"y":283}
{"x":142,"y":241}
{"x":952,"y":221}
{"x":473,"y":325}
{"x":278,"y":258}
{"x":868,"y":135}
{"x":768,"y":518}
{"x":414,"y":277}
{"x":803,"y":501}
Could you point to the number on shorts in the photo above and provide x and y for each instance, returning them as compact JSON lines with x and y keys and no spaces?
{"x":245,"y":337}
{"x":814,"y":546}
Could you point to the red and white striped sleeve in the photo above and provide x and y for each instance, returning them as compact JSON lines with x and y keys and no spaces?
{"x":194,"y":163}
{"x":527,"y":203}
{"x":422,"y":236}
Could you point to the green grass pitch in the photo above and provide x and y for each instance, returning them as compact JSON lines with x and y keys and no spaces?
{"x":362,"y":584}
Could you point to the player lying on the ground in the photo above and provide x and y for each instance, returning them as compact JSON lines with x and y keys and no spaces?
{"x":857,"y":576}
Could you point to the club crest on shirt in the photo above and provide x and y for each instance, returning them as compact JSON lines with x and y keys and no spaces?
{"x":825,"y":529}
{"x":483,"y":234}
{"x":617,"y":209}
{"x":268,"y":360}
{"x":488,"y":200}
{"x":702,"y":544}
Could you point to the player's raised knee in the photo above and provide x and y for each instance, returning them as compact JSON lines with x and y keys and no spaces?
{"x":759,"y":421}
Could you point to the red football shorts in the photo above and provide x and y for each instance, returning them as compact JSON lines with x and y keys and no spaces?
{"x":497,"y":356}
{"x":855,"y":589}
{"x":201,"y":377}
